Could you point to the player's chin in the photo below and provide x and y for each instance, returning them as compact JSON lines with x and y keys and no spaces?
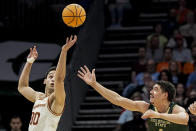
{"x":151,"y":100}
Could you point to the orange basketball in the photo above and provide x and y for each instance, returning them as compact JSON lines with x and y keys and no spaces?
{"x":73,"y":15}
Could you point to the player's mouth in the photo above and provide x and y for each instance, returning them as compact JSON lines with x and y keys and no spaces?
{"x":52,"y":84}
{"x":151,"y":96}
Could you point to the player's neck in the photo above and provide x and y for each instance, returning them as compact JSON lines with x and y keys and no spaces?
{"x":162,"y":107}
{"x":48,"y":92}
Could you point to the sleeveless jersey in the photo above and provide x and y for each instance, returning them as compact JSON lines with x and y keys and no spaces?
{"x":43,"y":119}
{"x":155,"y":124}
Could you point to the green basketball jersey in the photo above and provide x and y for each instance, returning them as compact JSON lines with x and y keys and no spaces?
{"x":155,"y":124}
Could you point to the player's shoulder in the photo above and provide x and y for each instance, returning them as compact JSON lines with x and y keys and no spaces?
{"x":178,"y":109}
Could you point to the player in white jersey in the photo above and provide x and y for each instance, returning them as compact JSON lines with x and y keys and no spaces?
{"x":48,"y":106}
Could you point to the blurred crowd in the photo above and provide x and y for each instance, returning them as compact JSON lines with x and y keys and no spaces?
{"x":170,"y":55}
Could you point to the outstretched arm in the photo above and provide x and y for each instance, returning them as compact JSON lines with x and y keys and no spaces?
{"x":178,"y":116}
{"x":59,"y":91}
{"x":111,"y":96}
{"x":23,"y":85}
{"x":192,"y":108}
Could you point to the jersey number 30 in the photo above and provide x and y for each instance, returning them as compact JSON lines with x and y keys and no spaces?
{"x":34,"y":118}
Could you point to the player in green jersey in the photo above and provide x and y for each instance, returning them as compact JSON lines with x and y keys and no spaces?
{"x":162,"y":113}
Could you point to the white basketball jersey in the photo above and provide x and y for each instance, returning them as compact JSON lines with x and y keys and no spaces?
{"x":43,"y":119}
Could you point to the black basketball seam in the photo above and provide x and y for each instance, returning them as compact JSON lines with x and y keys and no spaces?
{"x":71,"y":20}
{"x":80,"y":11}
{"x":72,"y":16}
{"x":80,"y":16}
{"x":70,"y":10}
{"x":76,"y":17}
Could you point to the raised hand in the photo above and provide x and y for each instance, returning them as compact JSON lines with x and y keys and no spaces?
{"x":87,"y":76}
{"x":33,"y":53}
{"x":192,"y":108}
{"x":69,"y":43}
{"x":150,"y":114}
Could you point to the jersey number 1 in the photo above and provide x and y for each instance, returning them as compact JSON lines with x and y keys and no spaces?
{"x":34,"y":118}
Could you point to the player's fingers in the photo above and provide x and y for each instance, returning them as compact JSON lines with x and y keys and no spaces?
{"x":144,"y":116}
{"x":75,"y":38}
{"x":83,"y":70}
{"x":80,"y":76}
{"x":93,"y":72}
{"x":70,"y":39}
{"x":86,"y":68}
{"x":81,"y":73}
{"x":67,"y":39}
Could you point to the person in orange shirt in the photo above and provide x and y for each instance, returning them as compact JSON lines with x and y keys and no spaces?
{"x":188,"y":66}
{"x":167,"y":58}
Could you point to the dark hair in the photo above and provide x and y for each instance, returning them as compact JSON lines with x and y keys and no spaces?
{"x":169,"y":76}
{"x":50,"y":69}
{"x":168,"y":87}
{"x":168,"y":48}
{"x":15,"y":117}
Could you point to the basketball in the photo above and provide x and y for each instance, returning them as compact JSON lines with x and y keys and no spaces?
{"x":73,"y":15}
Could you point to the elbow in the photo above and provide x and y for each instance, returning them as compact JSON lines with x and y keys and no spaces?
{"x":19,"y":89}
{"x":185,"y":120}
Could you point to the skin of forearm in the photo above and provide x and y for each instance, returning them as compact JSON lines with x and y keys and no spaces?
{"x":180,"y":118}
{"x":61,"y":67}
{"x":108,"y":94}
{"x":24,"y":78}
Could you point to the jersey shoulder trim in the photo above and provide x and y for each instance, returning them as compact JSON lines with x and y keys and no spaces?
{"x":54,"y":113}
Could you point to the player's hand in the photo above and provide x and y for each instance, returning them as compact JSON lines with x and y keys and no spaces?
{"x":192,"y":108}
{"x":69,"y":43}
{"x":86,"y":75}
{"x":33,"y":53}
{"x":150,"y":114}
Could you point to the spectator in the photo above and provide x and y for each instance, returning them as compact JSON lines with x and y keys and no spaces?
{"x":175,"y":71}
{"x":180,"y":94}
{"x":162,"y":40}
{"x":128,"y":118}
{"x":180,"y":53}
{"x":182,"y":12}
{"x":153,"y":50}
{"x":116,"y":10}
{"x":188,"y":66}
{"x":140,"y":64}
{"x":189,"y":29}
{"x":165,"y":76}
{"x":170,"y":24}
{"x":151,"y":69}
{"x":172,"y":41}
{"x":166,"y":59}
{"x":15,"y":123}
{"x":130,"y":88}
{"x":192,"y":77}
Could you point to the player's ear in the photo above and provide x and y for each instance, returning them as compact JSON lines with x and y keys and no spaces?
{"x":44,"y":82}
{"x":166,"y":94}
